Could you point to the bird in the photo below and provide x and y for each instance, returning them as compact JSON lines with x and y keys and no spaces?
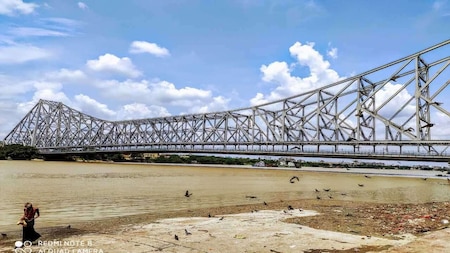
{"x":68,"y":227}
{"x":4,"y":235}
{"x":176,"y":237}
{"x":187,"y":194}
{"x":187,"y":232}
{"x":265,"y":203}
{"x":367,"y":176}
{"x":317,"y":197}
{"x":250,"y":197}
{"x":290,"y":207}
{"x":360,"y":185}
{"x":327,"y":190}
{"x":209,"y":215}
{"x":316,"y":190}
{"x":329,"y":196}
{"x":293,"y":178}
{"x":221,"y":218}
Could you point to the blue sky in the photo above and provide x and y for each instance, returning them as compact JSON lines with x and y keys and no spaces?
{"x":141,"y":58}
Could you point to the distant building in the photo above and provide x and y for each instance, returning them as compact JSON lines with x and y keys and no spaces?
{"x":150,"y":155}
{"x":286,"y":162}
{"x":260,"y":164}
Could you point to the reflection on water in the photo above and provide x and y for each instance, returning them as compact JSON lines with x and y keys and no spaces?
{"x":72,"y":192}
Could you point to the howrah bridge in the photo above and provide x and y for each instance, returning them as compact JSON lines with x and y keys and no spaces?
{"x":397,"y":111}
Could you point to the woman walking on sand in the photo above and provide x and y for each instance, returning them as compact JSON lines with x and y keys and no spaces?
{"x":30,"y":214}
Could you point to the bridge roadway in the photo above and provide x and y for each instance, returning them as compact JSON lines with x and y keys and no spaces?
{"x":392,"y":156}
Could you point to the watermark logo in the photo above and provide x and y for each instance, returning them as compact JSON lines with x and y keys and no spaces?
{"x":23,"y":247}
{"x":56,"y":246}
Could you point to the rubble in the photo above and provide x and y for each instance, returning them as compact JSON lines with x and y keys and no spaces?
{"x":388,"y":220}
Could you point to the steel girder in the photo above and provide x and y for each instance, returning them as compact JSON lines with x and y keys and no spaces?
{"x":398,"y":108}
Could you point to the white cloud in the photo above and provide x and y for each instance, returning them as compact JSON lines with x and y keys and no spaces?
{"x":333,"y":53}
{"x":258,"y":99}
{"x":141,"y":111}
{"x":92,"y":107}
{"x":49,"y":94}
{"x":396,"y":103}
{"x":112,"y":63}
{"x":280,"y":73}
{"x":138,"y":47}
{"x":160,"y":95}
{"x":390,"y":89}
{"x":37,"y":32}
{"x":127,"y":90}
{"x":43,"y":90}
{"x":167,"y":92}
{"x":12,"y":86}
{"x":9,"y":117}
{"x":60,"y":23}
{"x":43,"y":85}
{"x":152,"y":99}
{"x":13,"y":110}
{"x":16,"y":54}
{"x":82,"y":6}
{"x":13,"y":7}
{"x":441,"y":119}
{"x":66,"y":75}
{"x":216,"y":105}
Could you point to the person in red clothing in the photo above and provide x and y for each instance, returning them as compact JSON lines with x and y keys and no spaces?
{"x":30,"y":214}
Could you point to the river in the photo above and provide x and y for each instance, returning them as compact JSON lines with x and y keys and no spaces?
{"x":71,"y":192}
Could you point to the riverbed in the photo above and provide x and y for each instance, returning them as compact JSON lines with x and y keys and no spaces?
{"x":71,"y":192}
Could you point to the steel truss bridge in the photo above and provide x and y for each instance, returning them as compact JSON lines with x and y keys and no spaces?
{"x":398,"y":111}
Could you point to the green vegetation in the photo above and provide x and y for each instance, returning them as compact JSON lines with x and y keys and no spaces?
{"x":203,"y":160}
{"x":18,"y":152}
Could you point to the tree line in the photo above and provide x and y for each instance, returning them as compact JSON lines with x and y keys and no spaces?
{"x":18,"y":152}
{"x":21,"y":152}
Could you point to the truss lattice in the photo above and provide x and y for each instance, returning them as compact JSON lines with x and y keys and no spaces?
{"x":399,"y":110}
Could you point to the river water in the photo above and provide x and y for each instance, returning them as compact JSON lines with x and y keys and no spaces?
{"x":70,"y":192}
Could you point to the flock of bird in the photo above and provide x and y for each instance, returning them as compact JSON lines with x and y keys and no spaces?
{"x":292,"y":180}
{"x":296,"y":178}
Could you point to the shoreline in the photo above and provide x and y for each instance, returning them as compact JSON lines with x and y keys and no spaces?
{"x":360,"y":231}
{"x":355,"y":170}
{"x":437,"y":174}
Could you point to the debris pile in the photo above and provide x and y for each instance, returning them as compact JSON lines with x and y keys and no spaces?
{"x":389,"y":220}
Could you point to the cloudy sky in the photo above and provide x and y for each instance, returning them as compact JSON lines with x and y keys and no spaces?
{"x":142,"y":58}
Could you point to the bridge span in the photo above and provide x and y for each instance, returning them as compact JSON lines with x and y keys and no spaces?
{"x":398,"y":111}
